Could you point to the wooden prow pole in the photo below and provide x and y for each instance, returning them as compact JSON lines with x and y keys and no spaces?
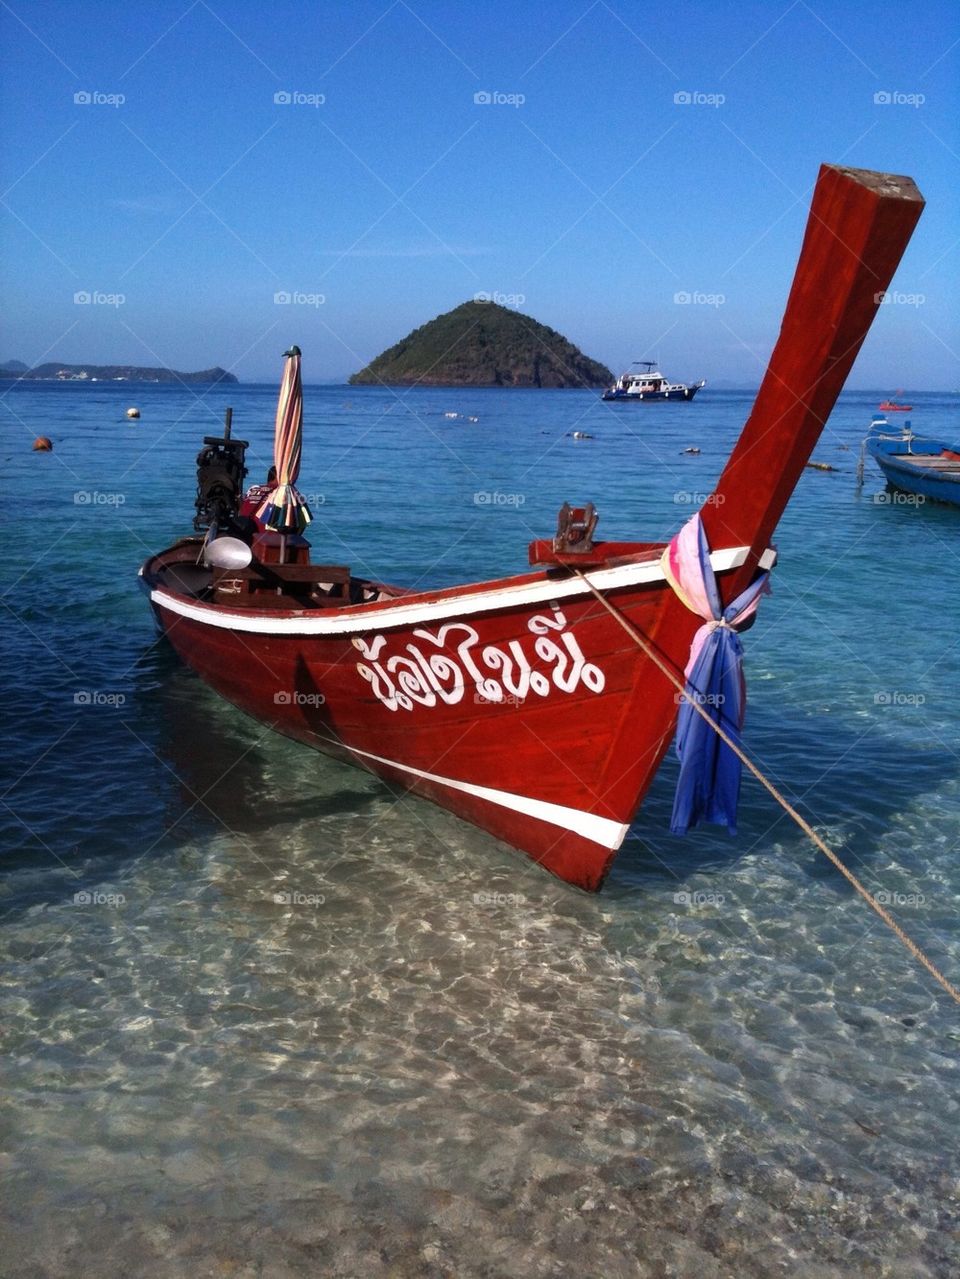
{"x":859,"y":226}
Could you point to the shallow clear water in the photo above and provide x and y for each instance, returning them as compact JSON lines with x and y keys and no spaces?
{"x":436,"y":1059}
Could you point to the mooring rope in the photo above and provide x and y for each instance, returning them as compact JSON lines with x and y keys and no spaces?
{"x":645,"y":645}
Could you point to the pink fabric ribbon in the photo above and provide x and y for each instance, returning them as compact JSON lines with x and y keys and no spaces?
{"x":686,"y":566}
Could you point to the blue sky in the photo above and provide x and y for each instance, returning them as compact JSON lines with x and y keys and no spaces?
{"x":585,"y":188}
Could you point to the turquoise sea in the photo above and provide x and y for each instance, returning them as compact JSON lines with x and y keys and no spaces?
{"x":262,"y":1016}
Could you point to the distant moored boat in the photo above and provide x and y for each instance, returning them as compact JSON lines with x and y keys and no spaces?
{"x":651,"y":385}
{"x":928,"y":469}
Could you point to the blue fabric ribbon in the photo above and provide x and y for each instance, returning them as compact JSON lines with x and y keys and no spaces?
{"x":708,"y":788}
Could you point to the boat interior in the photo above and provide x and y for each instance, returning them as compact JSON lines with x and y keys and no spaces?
{"x":900,"y":443}
{"x":947,"y":461}
{"x":276,"y":572}
{"x":279,"y":576}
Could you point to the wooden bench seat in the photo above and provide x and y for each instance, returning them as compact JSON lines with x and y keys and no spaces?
{"x":336,"y":573}
{"x":934,"y":463}
{"x":268,"y":583}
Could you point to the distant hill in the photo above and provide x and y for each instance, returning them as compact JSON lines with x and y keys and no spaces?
{"x":484,"y":344}
{"x":108,"y":373}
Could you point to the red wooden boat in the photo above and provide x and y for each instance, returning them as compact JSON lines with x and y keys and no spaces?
{"x":521,"y":704}
{"x":892,"y":406}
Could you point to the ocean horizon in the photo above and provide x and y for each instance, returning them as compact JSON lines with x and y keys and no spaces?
{"x":745,"y":388}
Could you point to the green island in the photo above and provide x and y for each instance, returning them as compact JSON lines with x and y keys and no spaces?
{"x":13,"y":369}
{"x":484,"y":344}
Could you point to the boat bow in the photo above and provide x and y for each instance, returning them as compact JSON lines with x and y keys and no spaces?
{"x":859,"y":225}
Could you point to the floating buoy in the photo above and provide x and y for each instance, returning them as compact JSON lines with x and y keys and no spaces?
{"x":42,"y":444}
{"x":133,"y":412}
{"x":582,"y":435}
{"x":691,"y":450}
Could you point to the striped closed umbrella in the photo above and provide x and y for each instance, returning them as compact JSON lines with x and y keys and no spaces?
{"x":284,"y":509}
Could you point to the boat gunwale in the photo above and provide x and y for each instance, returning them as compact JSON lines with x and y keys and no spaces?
{"x":497,"y":595}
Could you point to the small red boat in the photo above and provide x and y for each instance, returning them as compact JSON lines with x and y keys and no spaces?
{"x":523,"y":705}
{"x":893,"y":406}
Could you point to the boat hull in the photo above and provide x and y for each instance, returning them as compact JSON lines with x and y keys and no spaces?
{"x":520,"y":706}
{"x":906,"y":477}
{"x":622,"y":397}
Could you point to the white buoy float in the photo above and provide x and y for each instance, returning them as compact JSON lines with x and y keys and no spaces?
{"x":133,"y":412}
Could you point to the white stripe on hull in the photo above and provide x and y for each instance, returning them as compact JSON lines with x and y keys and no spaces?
{"x":391,"y":615}
{"x":600,"y":830}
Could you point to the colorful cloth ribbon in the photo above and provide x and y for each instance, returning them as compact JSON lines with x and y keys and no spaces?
{"x":285,"y":510}
{"x":708,"y":788}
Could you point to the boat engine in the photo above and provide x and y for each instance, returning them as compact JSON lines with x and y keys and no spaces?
{"x":220,"y":473}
